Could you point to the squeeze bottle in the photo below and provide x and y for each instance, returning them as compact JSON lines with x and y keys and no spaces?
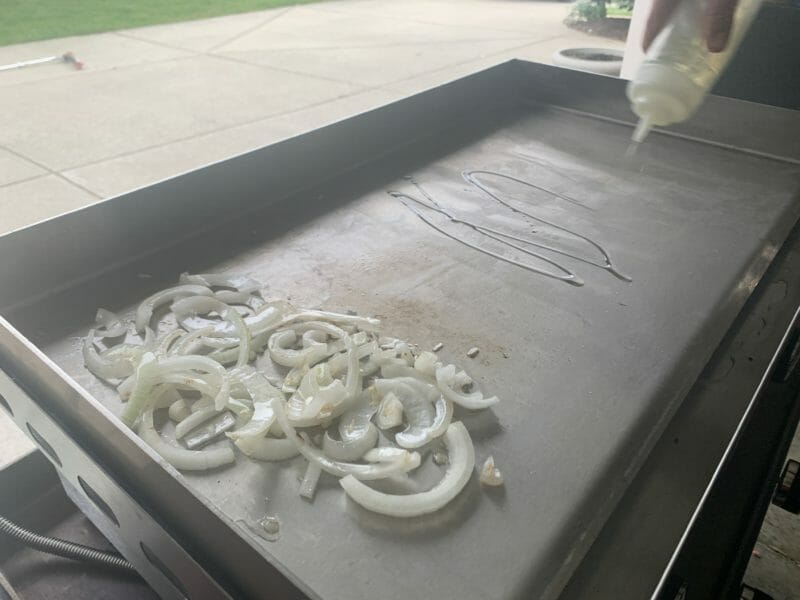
{"x":679,"y":70}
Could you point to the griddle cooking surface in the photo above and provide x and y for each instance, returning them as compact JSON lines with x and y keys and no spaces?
{"x":587,"y":374}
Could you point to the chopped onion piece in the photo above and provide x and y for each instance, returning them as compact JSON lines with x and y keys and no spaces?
{"x":310,"y":480}
{"x":426,"y":363}
{"x":446,"y":377}
{"x":490,"y":474}
{"x":145,"y":311}
{"x":231,"y":297}
{"x":109,"y":325}
{"x":180,"y":458}
{"x":390,"y":412}
{"x":459,"y":470}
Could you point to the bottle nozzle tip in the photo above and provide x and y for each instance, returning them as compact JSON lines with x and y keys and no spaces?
{"x":641,"y":131}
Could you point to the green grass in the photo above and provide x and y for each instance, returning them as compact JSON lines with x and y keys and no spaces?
{"x":29,"y":20}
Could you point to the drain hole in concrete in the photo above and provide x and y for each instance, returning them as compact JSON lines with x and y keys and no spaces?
{"x":98,"y":501}
{"x":46,"y":448}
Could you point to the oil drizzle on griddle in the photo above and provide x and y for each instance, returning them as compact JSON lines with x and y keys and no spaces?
{"x":560,"y":272}
{"x":565,"y":274}
{"x":472,"y":178}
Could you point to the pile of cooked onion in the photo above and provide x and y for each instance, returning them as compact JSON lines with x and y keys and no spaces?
{"x":354,"y":403}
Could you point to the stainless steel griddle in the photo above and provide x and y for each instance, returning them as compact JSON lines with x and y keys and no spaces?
{"x":589,"y":375}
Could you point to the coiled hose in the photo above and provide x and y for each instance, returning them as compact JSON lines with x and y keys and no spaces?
{"x":63,"y":548}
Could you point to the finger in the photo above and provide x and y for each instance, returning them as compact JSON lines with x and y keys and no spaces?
{"x":718,"y":21}
{"x":659,"y":16}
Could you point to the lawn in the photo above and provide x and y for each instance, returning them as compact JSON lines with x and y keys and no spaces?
{"x":28,"y":20}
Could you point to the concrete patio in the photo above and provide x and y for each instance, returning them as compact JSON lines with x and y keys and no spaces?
{"x":156,"y":101}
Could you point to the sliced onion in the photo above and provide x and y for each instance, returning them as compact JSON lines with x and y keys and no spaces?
{"x":418,"y":408}
{"x":400,"y":463}
{"x":241,"y":283}
{"x":192,"y":381}
{"x":354,"y":423}
{"x":106,"y":368}
{"x":224,"y":320}
{"x":394,"y":370}
{"x":267,"y":448}
{"x":318,"y":398}
{"x":280,"y":350}
{"x":352,"y":449}
{"x":205,"y":305}
{"x":459,"y":470}
{"x":194,"y":420}
{"x":166,"y":396}
{"x":260,"y":422}
{"x":420,"y":432}
{"x":191,"y":343}
{"x":179,"y":410}
{"x":147,"y":376}
{"x":418,"y":437}
{"x":180,"y":458}
{"x":446,"y":376}
{"x":145,"y":311}
{"x":231,"y":297}
{"x":165,"y":343}
{"x":363,"y":323}
{"x":109,"y":325}
{"x":203,"y":364}
{"x":118,"y":361}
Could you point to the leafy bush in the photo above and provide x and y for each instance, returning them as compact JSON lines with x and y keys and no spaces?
{"x":587,"y":11}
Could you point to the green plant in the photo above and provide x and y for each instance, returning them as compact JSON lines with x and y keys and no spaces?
{"x":587,"y":11}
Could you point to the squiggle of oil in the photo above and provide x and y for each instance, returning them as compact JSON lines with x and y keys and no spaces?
{"x":471,"y":178}
{"x":507,"y":239}
{"x":568,"y":276}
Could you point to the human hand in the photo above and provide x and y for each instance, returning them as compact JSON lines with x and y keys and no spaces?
{"x":716,"y":26}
